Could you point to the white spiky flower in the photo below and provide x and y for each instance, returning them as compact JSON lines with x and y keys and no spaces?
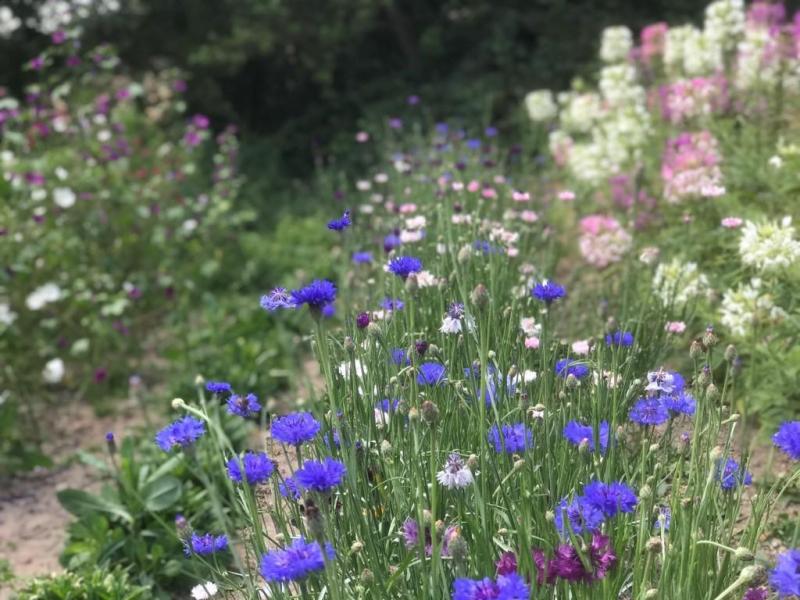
{"x":769,"y":245}
{"x":455,"y":474}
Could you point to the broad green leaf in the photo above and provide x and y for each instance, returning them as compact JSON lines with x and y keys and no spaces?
{"x":81,"y":503}
{"x":160,"y":494}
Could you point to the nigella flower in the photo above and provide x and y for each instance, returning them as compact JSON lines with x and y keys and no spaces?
{"x":787,"y":438}
{"x":649,"y":411}
{"x":390,"y":304}
{"x":277,"y":299}
{"x":507,"y":587}
{"x":244,"y":406}
{"x":295,"y":562}
{"x":785,"y":577}
{"x":295,"y":428}
{"x":208,"y":543}
{"x":581,"y":514}
{"x":341,"y":223}
{"x":610,"y":498}
{"x":317,"y":294}
{"x":731,"y":475}
{"x":362,"y":258}
{"x":399,"y":357}
{"x":680,"y":403}
{"x":320,"y":476}
{"x":403,"y":266}
{"x":182,"y":433}
{"x":548,"y":291}
{"x":431,"y":373}
{"x":511,"y":438}
{"x":506,"y":564}
{"x":566,"y":367}
{"x":254,"y":467}
{"x":619,"y":338}
{"x":219,"y":387}
{"x":455,"y":474}
{"x":577,"y":433}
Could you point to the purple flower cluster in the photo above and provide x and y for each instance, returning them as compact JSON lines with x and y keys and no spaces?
{"x":787,"y":438}
{"x":295,"y":428}
{"x":207,"y":543}
{"x":320,"y":476}
{"x":619,"y":338}
{"x":730,"y":475}
{"x":253,"y":467}
{"x":219,"y":387}
{"x":511,"y":438}
{"x":507,"y":587}
{"x":341,"y":223}
{"x":566,"y":562}
{"x":244,"y":406}
{"x":599,"y":501}
{"x":181,"y":433}
{"x":577,"y":433}
{"x":295,"y":562}
{"x":566,"y":367}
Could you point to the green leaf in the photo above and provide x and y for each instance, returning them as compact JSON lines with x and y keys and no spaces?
{"x":160,"y":494}
{"x":81,"y":503}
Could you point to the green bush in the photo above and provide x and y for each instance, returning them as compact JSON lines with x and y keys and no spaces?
{"x":94,"y":584}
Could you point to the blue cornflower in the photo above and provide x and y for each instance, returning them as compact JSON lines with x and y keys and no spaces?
{"x":208,"y":543}
{"x":548,"y":291}
{"x":295,"y":562}
{"x":664,"y":382}
{"x":288,"y":488}
{"x":341,"y":223}
{"x":391,"y":241}
{"x":511,"y":438}
{"x":473,"y":144}
{"x":316,"y":294}
{"x":399,"y":357}
{"x":507,"y":587}
{"x":785,"y":577}
{"x":787,"y":438}
{"x":320,"y":476}
{"x":490,"y":131}
{"x":663,"y":519}
{"x":392,"y":304}
{"x":583,"y":516}
{"x":183,"y":432}
{"x":577,"y":433}
{"x":680,"y":403}
{"x":403,"y":266}
{"x":277,"y":299}
{"x":295,"y":428}
{"x":219,"y":387}
{"x":619,"y":338}
{"x":388,"y":405}
{"x":485,"y":247}
{"x":329,"y":310}
{"x":442,"y":128}
{"x":431,"y":373}
{"x":566,"y":367}
{"x":244,"y":406}
{"x":254,"y":467}
{"x":649,"y":411}
{"x":610,"y":498}
{"x":362,"y":258}
{"x":731,"y":475}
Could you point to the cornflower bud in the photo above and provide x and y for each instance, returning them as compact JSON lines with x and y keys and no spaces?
{"x":458,"y":548}
{"x":730,"y":353}
{"x":178,"y":403}
{"x":199,"y":381}
{"x":743,"y":554}
{"x":411,"y":283}
{"x":349,"y":344}
{"x":480,"y":296}
{"x":375,"y":331}
{"x":696,"y":349}
{"x":709,"y":337}
{"x":651,"y":593}
{"x":653,"y":545}
{"x":367,"y":578}
{"x":356,"y":547}
{"x":362,"y":320}
{"x":421,"y":346}
{"x":472,"y":461}
{"x":712,"y":393}
{"x":430,"y":412}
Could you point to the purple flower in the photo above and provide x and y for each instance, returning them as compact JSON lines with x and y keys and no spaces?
{"x":506,"y":564}
{"x":619,"y":338}
{"x":403,"y":266}
{"x":391,"y":241}
{"x":362,"y":258}
{"x":317,"y":294}
{"x":219,"y":387}
{"x":295,"y":562}
{"x":431,"y":373}
{"x":254,"y":467}
{"x":277,"y":299}
{"x":610,"y":498}
{"x":399,"y":357}
{"x":341,"y":223}
{"x":362,"y":320}
{"x":566,"y":562}
{"x":785,"y":577}
{"x":787,"y":438}
{"x":577,"y":433}
{"x":548,"y":291}
{"x":507,"y":587}
{"x":680,"y":403}
{"x":663,"y":519}
{"x":320,"y":476}
{"x":182,"y":433}
{"x":392,"y":304}
{"x":581,"y":514}
{"x":208,"y":543}
{"x":566,"y":367}
{"x":649,"y":411}
{"x":664,"y":382}
{"x":243,"y":406}
{"x":295,"y":428}
{"x":511,"y":438}
{"x":289,"y":488}
{"x":759,"y":593}
{"x":731,"y":475}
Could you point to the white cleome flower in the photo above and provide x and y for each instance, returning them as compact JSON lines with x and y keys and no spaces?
{"x":616,"y":44}
{"x":41,"y":296}
{"x":770,"y":245}
{"x":746,"y":306}
{"x":53,"y":371}
{"x":455,"y":474}
{"x":540,"y":105}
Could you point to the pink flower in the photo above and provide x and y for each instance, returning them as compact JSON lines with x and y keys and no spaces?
{"x":518,"y":196}
{"x":512,"y":251}
{"x":566,"y":195}
{"x":529,"y":216}
{"x":408,"y":208}
{"x":603,"y":240}
{"x":532,"y":343}
{"x":473,"y":186}
{"x":690,"y":167}
{"x":362,"y":137}
{"x":732,"y":222}
{"x":581,"y":347}
{"x":489,"y":193}
{"x":653,"y":38}
{"x":675,"y":327}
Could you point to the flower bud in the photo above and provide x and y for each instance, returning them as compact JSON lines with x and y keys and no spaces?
{"x":386,"y":447}
{"x":314,"y":521}
{"x":349,"y":344}
{"x":502,"y":531}
{"x":421,"y":346}
{"x":411,"y":283}
{"x":367,"y":578}
{"x":464,"y":254}
{"x":751,"y":573}
{"x":651,"y":593}
{"x":704,"y":376}
{"x":572,"y":381}
{"x":480,"y":296}
{"x":653,"y":545}
{"x":472,"y":461}
{"x":199,"y":381}
{"x":519,"y":464}
{"x":712,"y":393}
{"x":362,"y":320}
{"x":458,"y":549}
{"x":695,"y":349}
{"x":356,"y":547}
{"x":611,"y":325}
{"x":178,"y":403}
{"x":709,"y":337}
{"x":374,"y":330}
{"x":730,"y":353}
{"x":744,"y":555}
{"x":111,"y":443}
{"x":430,"y":412}
{"x":716,"y":453}
{"x":645,"y":492}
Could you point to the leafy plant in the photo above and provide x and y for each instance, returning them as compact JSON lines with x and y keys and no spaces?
{"x":92,"y":584}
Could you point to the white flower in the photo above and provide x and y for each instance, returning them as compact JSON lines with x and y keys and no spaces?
{"x":455,"y":474}
{"x":409,"y":237}
{"x":450,"y":325}
{"x":769,"y":245}
{"x":204,"y":591}
{"x":8,"y":22}
{"x":746,"y":306}
{"x":7,"y":316}
{"x":53,"y":371}
{"x":418,"y":222}
{"x":345,"y":369}
{"x":426,"y":279}
{"x":616,"y":44}
{"x":41,"y":296}
{"x":64,"y":197}
{"x":724,"y":23}
{"x":776,"y":162}
{"x":363,"y":185}
{"x":677,"y":282}
{"x":530,"y":327}
{"x":540,"y":105}
{"x":61,"y":173}
{"x":580,"y":347}
{"x":529,"y":376}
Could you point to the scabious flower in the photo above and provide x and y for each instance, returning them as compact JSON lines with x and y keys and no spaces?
{"x":610,"y":498}
{"x":507,"y":587}
{"x":730,"y":475}
{"x":566,"y":367}
{"x":785,"y":577}
{"x":787,"y":438}
{"x":603,"y":241}
{"x":649,"y":411}
{"x":619,"y":338}
{"x":455,"y":474}
{"x":577,"y":433}
{"x":277,"y":299}
{"x":341,"y":223}
{"x":320,"y":476}
{"x":208,"y":543}
{"x":431,"y":373}
{"x":317,"y":294}
{"x":295,"y":428}
{"x":182,"y":433}
{"x":548,"y":291}
{"x":244,"y":406}
{"x":254,"y":467}
{"x":511,"y":438}
{"x":295,"y":562}
{"x":582,"y":515}
{"x":403,"y":266}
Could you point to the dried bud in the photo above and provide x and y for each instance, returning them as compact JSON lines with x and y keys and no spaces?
{"x":704,"y":376}
{"x":653,"y":545}
{"x":502,"y":531}
{"x":367,"y":578}
{"x":480,"y":296}
{"x":730,"y":353}
{"x":653,"y":448}
{"x":430,"y":412}
{"x":712,"y":393}
{"x":744,"y":555}
{"x":709,"y":337}
{"x":696,"y":349}
{"x":314,"y":522}
{"x":178,"y":403}
{"x":349,"y":344}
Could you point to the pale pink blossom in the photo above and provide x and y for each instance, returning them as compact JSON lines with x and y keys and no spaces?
{"x":532,"y":343}
{"x":512,"y":252}
{"x":518,"y":196}
{"x":489,"y":193}
{"x":603,"y":240}
{"x":529,"y":216}
{"x":732,"y":222}
{"x":566,"y":195}
{"x":675,"y":327}
{"x":473,"y":186}
{"x":408,"y":208}
{"x":458,"y":186}
{"x":581,"y":347}
{"x":362,"y":136}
